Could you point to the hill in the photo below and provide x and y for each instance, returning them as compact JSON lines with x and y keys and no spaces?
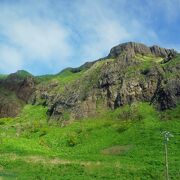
{"x":131,"y":72}
{"x":102,"y":120}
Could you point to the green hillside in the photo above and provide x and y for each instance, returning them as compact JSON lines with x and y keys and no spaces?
{"x":102,"y":120}
{"x":123,"y":144}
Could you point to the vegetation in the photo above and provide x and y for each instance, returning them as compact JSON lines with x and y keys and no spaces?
{"x":121,"y":144}
{"x":125,"y":143}
{"x":2,"y":76}
{"x":23,"y":74}
{"x":144,"y":64}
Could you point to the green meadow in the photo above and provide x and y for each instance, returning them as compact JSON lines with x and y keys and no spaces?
{"x":126,"y":143}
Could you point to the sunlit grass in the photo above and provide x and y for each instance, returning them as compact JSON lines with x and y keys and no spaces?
{"x":28,"y":141}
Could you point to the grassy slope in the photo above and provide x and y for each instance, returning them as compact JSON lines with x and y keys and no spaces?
{"x":122,"y":144}
{"x":67,"y":79}
{"x":9,"y":97}
{"x":2,"y":76}
{"x":130,"y":138}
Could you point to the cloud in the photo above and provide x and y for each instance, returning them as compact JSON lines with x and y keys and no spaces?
{"x":101,"y":26}
{"x":10,"y":58}
{"x":46,"y":36}
{"x":170,"y":9}
{"x":38,"y":39}
{"x":32,"y":39}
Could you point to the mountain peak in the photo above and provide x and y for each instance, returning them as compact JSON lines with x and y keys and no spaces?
{"x":133,"y":48}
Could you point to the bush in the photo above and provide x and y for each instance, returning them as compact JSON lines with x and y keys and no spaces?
{"x":43,"y":131}
{"x":72,"y":139}
{"x":123,"y":127}
{"x":130,"y":112}
{"x":2,"y":122}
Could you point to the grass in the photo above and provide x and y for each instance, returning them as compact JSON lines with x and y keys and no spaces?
{"x":171,"y":67}
{"x":143,"y":66}
{"x":9,"y":95}
{"x":23,"y":74}
{"x":3,"y":76}
{"x":63,"y":77}
{"x":174,"y":62}
{"x":68,"y":80}
{"x":61,"y":80}
{"x":121,"y":144}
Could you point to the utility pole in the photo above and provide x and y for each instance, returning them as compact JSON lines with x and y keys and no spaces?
{"x":166,"y":135}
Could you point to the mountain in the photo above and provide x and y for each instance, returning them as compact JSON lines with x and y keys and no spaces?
{"x":131,"y":72}
{"x":15,"y":91}
{"x":107,"y":119}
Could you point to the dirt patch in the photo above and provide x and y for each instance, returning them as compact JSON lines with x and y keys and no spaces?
{"x":116,"y":150}
{"x":46,"y":160}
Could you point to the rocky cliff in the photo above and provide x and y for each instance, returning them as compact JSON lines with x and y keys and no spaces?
{"x":131,"y":72}
{"x":15,"y":91}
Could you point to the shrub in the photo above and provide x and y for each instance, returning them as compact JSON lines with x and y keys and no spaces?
{"x":2,"y":122}
{"x":43,"y":131}
{"x":130,"y":112}
{"x":66,"y":116}
{"x":72,"y":139}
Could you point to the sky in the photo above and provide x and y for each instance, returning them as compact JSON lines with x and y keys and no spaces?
{"x":46,"y":36}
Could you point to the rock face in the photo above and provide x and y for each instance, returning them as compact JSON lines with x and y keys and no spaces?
{"x":131,"y":72}
{"x":15,"y":92}
{"x":132,"y":48}
{"x":10,"y":106}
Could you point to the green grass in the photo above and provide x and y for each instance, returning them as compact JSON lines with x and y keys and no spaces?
{"x":63,"y":77}
{"x":67,"y":80}
{"x":171,"y":67}
{"x":9,"y":95}
{"x":148,"y":58}
{"x":23,"y":74}
{"x":61,"y":80}
{"x":33,"y":149}
{"x":174,"y":62}
{"x":122,"y":144}
{"x":143,"y":66}
{"x":2,"y":76}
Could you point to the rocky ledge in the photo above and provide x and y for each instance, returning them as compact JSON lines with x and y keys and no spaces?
{"x":133,"y":48}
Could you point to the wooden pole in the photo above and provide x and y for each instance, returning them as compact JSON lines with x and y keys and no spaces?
{"x":167,"y":135}
{"x":166,"y":159}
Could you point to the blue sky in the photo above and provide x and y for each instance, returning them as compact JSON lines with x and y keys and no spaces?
{"x":45,"y":36}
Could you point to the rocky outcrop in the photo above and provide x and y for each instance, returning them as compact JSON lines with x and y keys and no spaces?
{"x":167,"y":95}
{"x":119,"y":79}
{"x":132,"y":48}
{"x":131,"y":72}
{"x":10,"y":105}
{"x":22,"y":86}
{"x":15,"y":92}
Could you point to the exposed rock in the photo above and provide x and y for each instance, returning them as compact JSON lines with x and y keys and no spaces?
{"x":132,"y":48}
{"x":131,"y":72}
{"x":16,"y":90}
{"x":115,"y":87}
{"x":162,"y":52}
{"x":10,"y":108}
{"x":167,"y":96}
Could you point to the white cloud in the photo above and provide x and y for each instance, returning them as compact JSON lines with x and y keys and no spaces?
{"x":106,"y":35}
{"x":32,"y":39}
{"x":42,"y":39}
{"x":57,"y":34}
{"x":169,"y":9}
{"x":10,"y":58}
{"x":101,"y":27}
